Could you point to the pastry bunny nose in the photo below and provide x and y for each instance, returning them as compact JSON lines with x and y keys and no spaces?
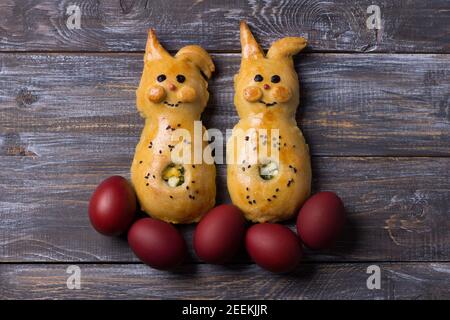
{"x":172,"y":87}
{"x":266,"y":87}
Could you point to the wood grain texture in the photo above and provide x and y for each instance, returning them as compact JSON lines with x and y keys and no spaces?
{"x":398,"y":208}
{"x":378,"y":125}
{"x":310,"y":281}
{"x":340,"y":25}
{"x":351,"y":105}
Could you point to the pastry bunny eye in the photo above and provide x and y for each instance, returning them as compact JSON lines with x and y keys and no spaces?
{"x":161,"y":78}
{"x":275,"y":78}
{"x":258,"y":78}
{"x":181,"y":78}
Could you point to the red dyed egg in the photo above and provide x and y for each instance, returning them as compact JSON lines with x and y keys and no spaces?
{"x":219,"y":234}
{"x":273,"y":247}
{"x":157,"y":243}
{"x":321,"y":220}
{"x":112,"y":206}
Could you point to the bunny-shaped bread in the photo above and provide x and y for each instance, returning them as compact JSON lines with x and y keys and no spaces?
{"x":172,"y":95}
{"x":272,"y":186}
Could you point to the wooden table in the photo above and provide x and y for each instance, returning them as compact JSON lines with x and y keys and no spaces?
{"x":375,"y":109}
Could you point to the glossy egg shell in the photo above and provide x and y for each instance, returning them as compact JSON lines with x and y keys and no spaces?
{"x":219,"y":234}
{"x":112,"y":206}
{"x":157,"y":243}
{"x":273,"y":247}
{"x":321,"y":220}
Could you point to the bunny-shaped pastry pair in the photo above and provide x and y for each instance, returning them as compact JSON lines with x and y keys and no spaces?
{"x":173,"y":93}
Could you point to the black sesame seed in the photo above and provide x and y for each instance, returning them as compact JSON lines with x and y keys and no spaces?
{"x":258,"y":78}
{"x":147,"y":184}
{"x":140,"y":161}
{"x":246,"y":188}
{"x":246,"y":138}
{"x":268,"y":199}
{"x":187,"y":187}
{"x":248,"y":197}
{"x":254,"y":201}
{"x":276,"y":190}
{"x":274,"y":196}
{"x":193,"y":181}
{"x":181,"y":78}
{"x":193,"y":166}
{"x":249,"y":166}
{"x":275,"y":78}
{"x":249,"y":202}
{"x":171,"y":197}
{"x":160,"y":151}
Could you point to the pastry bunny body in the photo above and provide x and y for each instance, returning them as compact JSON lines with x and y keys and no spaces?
{"x":272,"y":186}
{"x":171,"y":96}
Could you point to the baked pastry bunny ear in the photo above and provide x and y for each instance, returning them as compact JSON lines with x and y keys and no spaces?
{"x":199,"y":57}
{"x":250,"y":48}
{"x":153,"y":49}
{"x":286,"y":47}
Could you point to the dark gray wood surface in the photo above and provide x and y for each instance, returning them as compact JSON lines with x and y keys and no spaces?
{"x":375,"y":109}
{"x":311,"y":281}
{"x":398,"y":208}
{"x":353,"y":105}
{"x":408,"y":26}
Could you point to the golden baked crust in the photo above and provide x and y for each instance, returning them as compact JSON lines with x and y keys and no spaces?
{"x":172,"y":95}
{"x":268,"y":102}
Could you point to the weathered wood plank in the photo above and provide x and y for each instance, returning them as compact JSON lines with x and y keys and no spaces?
{"x":398,"y":207}
{"x":413,"y":26}
{"x":356,"y":105}
{"x":310,"y":281}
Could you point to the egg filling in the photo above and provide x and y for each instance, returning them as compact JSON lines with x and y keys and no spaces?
{"x":268,"y":170}
{"x":173,"y":175}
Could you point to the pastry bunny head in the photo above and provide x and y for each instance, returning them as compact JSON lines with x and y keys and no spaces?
{"x":267,"y":82}
{"x":175,"y":84}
